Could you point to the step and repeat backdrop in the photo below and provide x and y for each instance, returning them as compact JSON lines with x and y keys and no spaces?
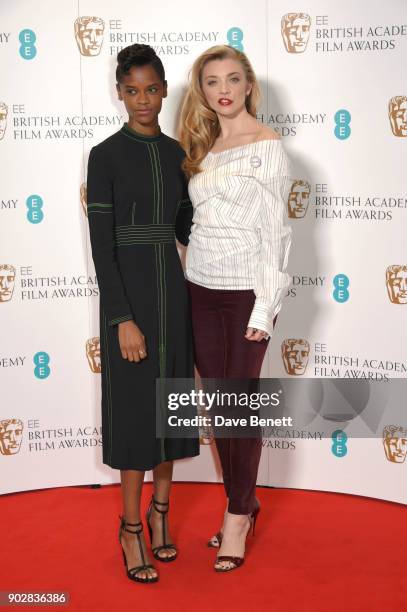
{"x":333,"y":83}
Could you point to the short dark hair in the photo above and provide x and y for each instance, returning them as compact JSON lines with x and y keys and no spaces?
{"x":138,"y":55}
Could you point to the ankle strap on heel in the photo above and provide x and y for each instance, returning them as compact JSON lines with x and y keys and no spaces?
{"x":156,"y":503}
{"x":124,"y":524}
{"x":133,"y":572}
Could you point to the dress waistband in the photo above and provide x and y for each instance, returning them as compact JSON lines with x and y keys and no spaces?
{"x":157,"y":233}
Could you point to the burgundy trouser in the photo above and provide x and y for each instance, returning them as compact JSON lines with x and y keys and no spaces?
{"x":220,"y":319}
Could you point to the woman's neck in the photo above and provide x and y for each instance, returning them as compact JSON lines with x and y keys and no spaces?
{"x":146,"y":130}
{"x":240,"y":123}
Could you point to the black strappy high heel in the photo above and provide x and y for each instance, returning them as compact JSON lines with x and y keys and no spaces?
{"x":235,"y":562}
{"x":157,"y":549}
{"x":133,"y":571}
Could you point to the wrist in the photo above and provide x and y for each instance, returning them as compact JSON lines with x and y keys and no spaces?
{"x":121,"y":319}
{"x":126,"y":324}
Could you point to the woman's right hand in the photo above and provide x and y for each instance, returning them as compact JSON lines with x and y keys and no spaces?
{"x":132,"y":342}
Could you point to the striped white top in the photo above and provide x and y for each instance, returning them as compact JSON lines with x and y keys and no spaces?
{"x":240,"y":238}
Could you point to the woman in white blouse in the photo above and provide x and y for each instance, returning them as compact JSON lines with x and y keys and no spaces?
{"x":237,"y":254}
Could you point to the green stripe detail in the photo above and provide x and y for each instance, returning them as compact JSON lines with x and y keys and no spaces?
{"x":120,"y":320}
{"x":100,"y":208}
{"x":125,"y":229}
{"x":160,"y":184}
{"x":145,"y":234}
{"x":109,"y":388}
{"x":160,"y":231}
{"x":97,"y":205}
{"x":141,"y":242}
{"x":124,"y":243}
{"x":164,"y":310}
{"x":126,"y":130}
{"x":153,"y":169}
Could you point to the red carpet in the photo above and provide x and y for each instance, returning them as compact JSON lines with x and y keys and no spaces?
{"x":316,"y":552}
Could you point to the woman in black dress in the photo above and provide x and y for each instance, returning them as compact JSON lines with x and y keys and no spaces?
{"x":137,"y":205}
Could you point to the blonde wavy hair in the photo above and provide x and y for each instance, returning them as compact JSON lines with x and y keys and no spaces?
{"x":199,"y":125}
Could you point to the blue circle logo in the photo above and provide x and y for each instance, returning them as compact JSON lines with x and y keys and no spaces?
{"x":341,"y":285}
{"x":34,"y":204}
{"x":28,"y":49}
{"x":339,"y":439}
{"x":342,"y":120}
{"x":235,"y":37}
{"x":41,"y":361}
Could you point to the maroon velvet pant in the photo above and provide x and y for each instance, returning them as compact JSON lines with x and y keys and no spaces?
{"x":220,"y":319}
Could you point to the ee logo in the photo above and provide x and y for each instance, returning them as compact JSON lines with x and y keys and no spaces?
{"x":34,"y":204}
{"x":41,"y":361}
{"x":235,"y":37}
{"x":339,"y":439}
{"x":342,"y":120}
{"x":341,"y":284}
{"x":28,"y":49}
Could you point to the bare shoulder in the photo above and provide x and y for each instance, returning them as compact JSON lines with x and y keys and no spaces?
{"x":267,"y":133}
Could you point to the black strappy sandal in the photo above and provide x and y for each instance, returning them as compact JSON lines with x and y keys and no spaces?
{"x":157,"y":549}
{"x":133,"y":571}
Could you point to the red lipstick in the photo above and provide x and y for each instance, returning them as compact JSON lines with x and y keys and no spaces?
{"x":225,"y":101}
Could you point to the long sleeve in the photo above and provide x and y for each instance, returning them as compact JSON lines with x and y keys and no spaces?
{"x":271,"y":280}
{"x":101,"y":225}
{"x":183,"y":222}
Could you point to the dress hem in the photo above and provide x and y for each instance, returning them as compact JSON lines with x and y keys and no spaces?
{"x":147,"y":469}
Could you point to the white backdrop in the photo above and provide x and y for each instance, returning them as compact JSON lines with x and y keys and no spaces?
{"x":58,"y":100}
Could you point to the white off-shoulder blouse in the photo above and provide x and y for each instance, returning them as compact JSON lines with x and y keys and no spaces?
{"x":240,"y":237}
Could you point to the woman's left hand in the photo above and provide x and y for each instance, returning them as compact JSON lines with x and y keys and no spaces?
{"x":255,"y":335}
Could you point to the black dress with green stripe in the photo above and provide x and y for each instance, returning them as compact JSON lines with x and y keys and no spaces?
{"x":137,"y":205}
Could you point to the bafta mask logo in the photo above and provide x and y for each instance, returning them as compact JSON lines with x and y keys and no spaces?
{"x":7,"y":279}
{"x":3,"y":119}
{"x":396,"y":282}
{"x":84,"y":198}
{"x":398,"y":115}
{"x":93,"y":354}
{"x":89,"y":35}
{"x":298,"y":199}
{"x":11,"y":435}
{"x":295,"y":29}
{"x":295,"y":353}
{"x":395,"y":443}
